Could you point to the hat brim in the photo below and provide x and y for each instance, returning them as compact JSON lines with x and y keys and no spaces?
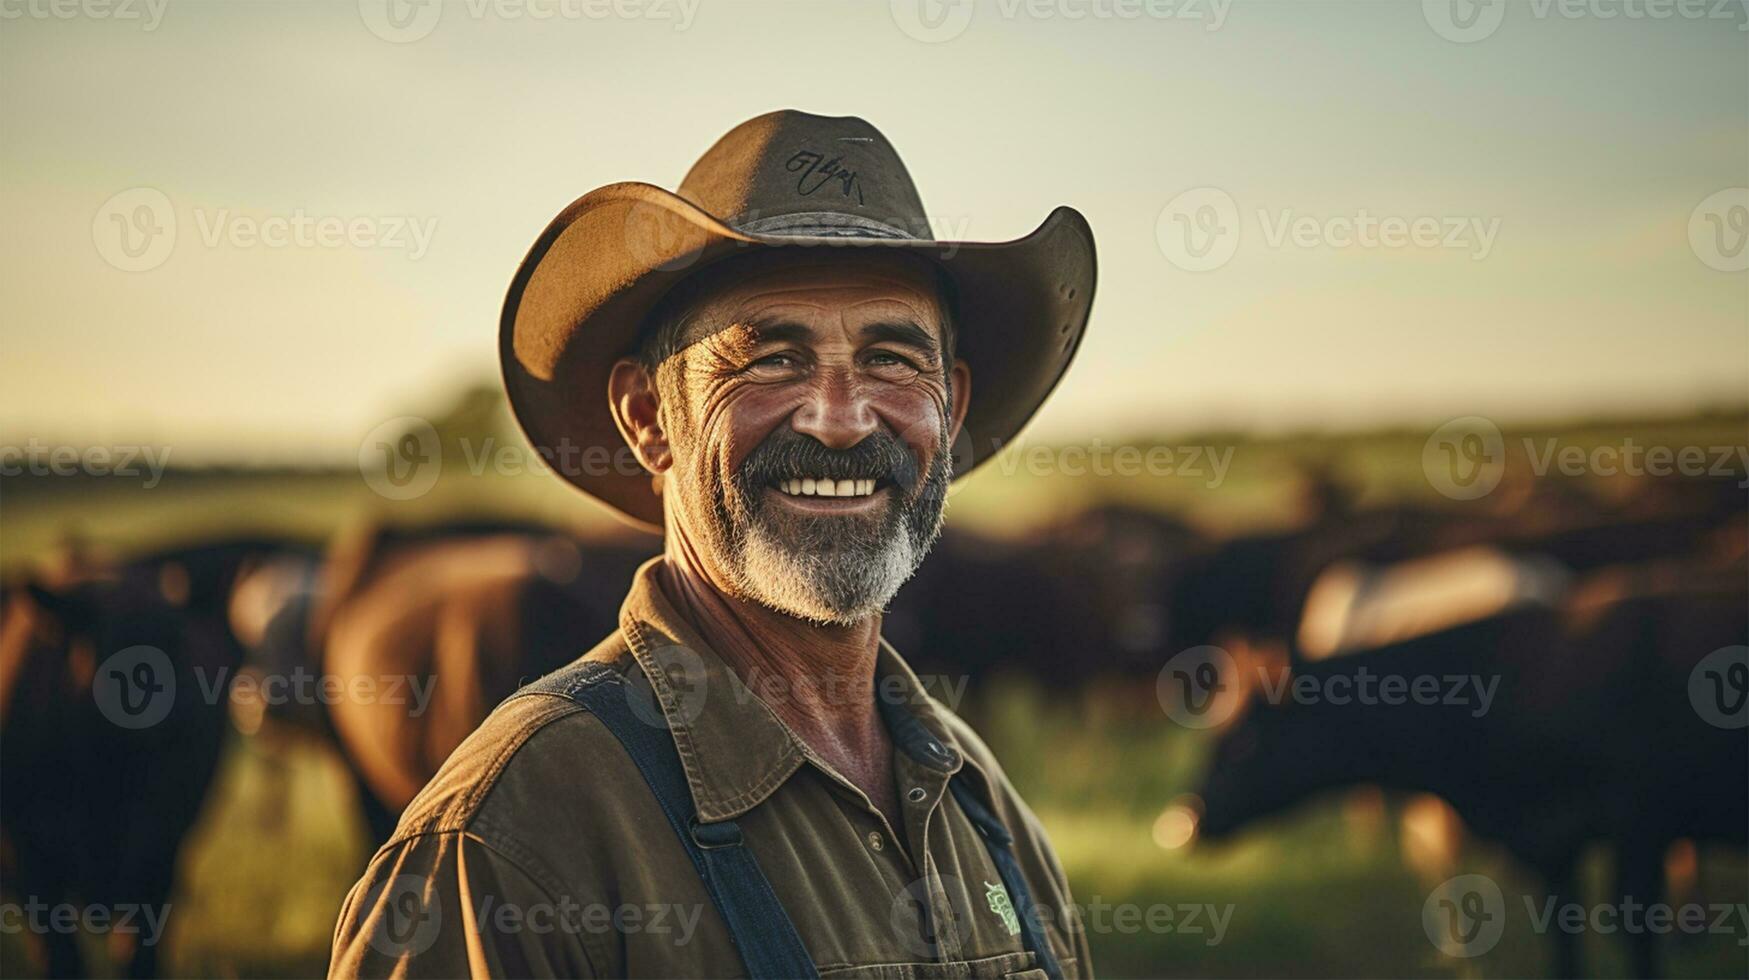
{"x":579,"y":298}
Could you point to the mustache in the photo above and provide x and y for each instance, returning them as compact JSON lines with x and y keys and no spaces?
{"x":788,"y":454}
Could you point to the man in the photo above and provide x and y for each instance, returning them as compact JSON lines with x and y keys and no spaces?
{"x":744,"y":779}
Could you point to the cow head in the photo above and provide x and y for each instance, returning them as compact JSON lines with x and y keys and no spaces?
{"x":1264,"y":753}
{"x":58,"y":633}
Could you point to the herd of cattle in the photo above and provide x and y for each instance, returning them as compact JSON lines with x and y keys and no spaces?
{"x":121,"y":679}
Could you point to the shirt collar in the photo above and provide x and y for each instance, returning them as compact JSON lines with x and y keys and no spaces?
{"x":736,"y":751}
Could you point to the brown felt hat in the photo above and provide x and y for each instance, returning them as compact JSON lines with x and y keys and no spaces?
{"x":785,"y":180}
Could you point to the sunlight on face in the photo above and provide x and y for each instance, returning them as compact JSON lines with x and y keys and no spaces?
{"x":809,"y":412}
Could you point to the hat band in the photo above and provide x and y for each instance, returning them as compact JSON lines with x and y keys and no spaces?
{"x":821,"y":224}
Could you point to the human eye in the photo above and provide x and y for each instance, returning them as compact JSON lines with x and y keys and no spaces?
{"x":890,"y":365}
{"x":779,"y":364}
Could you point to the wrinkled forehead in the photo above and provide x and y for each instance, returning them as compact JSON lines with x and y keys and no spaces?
{"x":795,"y":286}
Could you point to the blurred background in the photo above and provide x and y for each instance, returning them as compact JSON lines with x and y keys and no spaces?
{"x":1421,"y":351}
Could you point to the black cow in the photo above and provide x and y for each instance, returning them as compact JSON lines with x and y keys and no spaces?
{"x":107,"y":758}
{"x":1080,"y":598}
{"x":1591,"y":737}
{"x":94,"y":809}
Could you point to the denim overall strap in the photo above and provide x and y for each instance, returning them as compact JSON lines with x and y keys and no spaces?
{"x":758,"y":925}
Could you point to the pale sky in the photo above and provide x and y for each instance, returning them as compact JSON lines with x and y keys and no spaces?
{"x":1564,"y":153}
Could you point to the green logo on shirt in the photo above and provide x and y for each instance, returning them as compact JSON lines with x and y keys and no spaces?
{"x":997,"y":896}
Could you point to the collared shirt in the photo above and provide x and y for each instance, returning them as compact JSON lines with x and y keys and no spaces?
{"x":539,"y":850}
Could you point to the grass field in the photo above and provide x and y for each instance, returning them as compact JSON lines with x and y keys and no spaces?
{"x":279,"y":842}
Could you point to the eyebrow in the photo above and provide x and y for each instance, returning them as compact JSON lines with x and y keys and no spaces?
{"x":893,"y":331}
{"x":902,"y":332}
{"x":781,"y":331}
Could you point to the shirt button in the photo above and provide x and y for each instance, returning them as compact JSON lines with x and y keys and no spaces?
{"x":916,"y":794}
{"x":875,"y":840}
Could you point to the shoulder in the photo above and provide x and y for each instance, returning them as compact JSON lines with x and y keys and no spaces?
{"x":538,"y":747}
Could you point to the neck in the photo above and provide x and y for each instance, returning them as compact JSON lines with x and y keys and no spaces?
{"x":818,"y":678}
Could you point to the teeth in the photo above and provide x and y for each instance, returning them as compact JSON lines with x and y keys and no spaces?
{"x":818,"y":487}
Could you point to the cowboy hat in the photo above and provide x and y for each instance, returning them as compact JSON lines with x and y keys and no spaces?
{"x":784,"y":180}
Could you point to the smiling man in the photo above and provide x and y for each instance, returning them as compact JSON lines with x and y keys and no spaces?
{"x":744,"y":779}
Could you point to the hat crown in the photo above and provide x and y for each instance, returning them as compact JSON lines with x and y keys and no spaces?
{"x":795,"y":174}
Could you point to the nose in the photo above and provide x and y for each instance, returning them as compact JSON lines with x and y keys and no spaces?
{"x":836,"y":412}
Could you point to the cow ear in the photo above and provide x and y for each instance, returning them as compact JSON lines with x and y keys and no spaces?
{"x":1256,"y":658}
{"x":1260,"y":666}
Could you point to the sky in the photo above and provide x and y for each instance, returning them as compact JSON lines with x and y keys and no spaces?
{"x":1309,"y":214}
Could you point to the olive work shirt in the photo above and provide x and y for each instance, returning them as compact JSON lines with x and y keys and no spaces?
{"x":538,"y":850}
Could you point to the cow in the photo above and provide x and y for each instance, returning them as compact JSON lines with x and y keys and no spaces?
{"x":113,"y":716}
{"x":424,"y":630}
{"x":1079,"y":598}
{"x":109,"y":750}
{"x":1591,"y":736}
{"x":1252,"y":588}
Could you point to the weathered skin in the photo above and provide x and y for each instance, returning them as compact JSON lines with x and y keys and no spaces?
{"x":792,"y":345}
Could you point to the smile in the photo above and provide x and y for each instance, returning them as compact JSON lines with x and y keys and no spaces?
{"x":812,"y":487}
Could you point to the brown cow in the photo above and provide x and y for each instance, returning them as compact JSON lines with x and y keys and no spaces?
{"x":421,"y":633}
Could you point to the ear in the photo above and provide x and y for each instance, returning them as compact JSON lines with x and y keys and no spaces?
{"x":636,"y":407}
{"x":961,"y":376}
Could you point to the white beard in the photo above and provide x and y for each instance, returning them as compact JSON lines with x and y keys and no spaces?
{"x":838,"y":588}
